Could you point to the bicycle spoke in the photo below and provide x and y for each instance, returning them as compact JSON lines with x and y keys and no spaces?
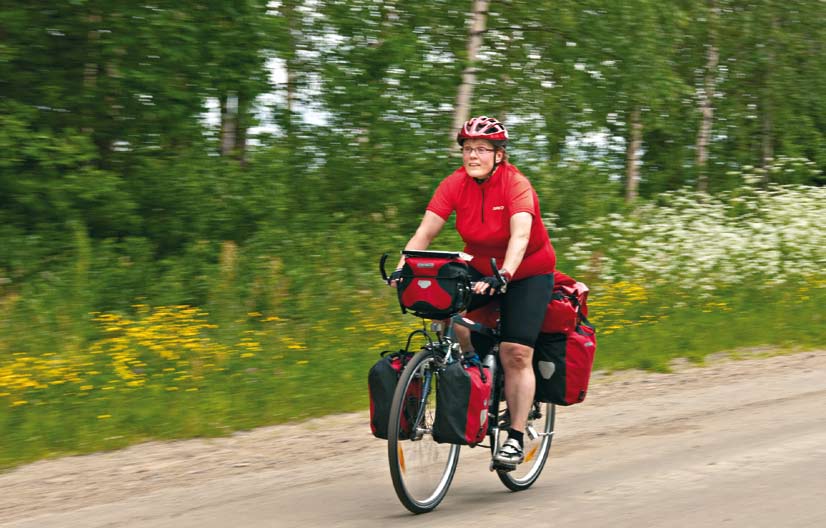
{"x":537,"y":445}
{"x":421,"y":468}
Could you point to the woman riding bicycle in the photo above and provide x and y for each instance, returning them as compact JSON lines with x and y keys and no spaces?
{"x":498,"y":216}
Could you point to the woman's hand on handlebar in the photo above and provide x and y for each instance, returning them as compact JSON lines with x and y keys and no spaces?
{"x":492,"y":284}
{"x":394,"y":278}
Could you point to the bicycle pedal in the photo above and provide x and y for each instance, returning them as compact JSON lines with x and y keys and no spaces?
{"x":499,"y":466}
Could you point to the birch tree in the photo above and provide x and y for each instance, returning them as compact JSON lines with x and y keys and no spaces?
{"x":707,"y":95}
{"x":464,"y":97}
{"x":632,"y":156}
{"x":772,"y":57}
{"x":635,"y":51}
{"x":235,"y":39}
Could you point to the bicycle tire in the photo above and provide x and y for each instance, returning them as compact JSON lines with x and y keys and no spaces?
{"x":421,"y":468}
{"x":536,"y":449}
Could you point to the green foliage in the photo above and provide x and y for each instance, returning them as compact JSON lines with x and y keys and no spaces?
{"x":51,"y":177}
{"x":733,"y":322}
{"x":575,"y":193}
{"x":120,"y":187}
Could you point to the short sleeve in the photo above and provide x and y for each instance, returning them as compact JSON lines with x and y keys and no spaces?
{"x":443,"y":201}
{"x":520,"y":195}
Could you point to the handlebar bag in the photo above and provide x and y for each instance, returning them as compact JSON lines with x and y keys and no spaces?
{"x":562,"y":364}
{"x":381,"y":382}
{"x":462,"y":399}
{"x":434,"y":287}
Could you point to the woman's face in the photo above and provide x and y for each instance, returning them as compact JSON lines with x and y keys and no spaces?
{"x":478,"y":157}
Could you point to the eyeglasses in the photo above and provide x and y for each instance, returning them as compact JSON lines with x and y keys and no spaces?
{"x":480,"y":151}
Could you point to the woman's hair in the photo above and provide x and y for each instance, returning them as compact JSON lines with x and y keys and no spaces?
{"x":502,"y":149}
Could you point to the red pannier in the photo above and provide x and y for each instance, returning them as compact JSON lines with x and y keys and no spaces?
{"x":569,"y":301}
{"x":487,"y":314}
{"x":462,"y":399}
{"x":562,"y":365}
{"x":381,"y":382}
{"x":564,"y":352}
{"x":434,"y":287}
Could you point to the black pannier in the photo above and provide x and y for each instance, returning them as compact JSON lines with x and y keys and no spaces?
{"x":381,"y":382}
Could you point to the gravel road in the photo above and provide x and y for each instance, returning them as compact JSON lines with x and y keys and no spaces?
{"x":733,"y":444}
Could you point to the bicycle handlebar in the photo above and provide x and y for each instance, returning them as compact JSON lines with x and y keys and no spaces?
{"x":493,"y":267}
{"x":498,"y":275}
{"x":381,"y":268}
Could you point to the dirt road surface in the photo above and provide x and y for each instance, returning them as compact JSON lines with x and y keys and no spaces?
{"x":732,"y":444}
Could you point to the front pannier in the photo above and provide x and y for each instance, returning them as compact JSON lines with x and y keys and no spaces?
{"x":381,"y":382}
{"x":462,"y":398}
{"x":434,"y":287}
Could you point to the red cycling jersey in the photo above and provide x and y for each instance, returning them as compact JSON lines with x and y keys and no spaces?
{"x":483,"y":213}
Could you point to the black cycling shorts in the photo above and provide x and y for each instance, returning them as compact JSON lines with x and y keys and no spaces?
{"x":522,"y":307}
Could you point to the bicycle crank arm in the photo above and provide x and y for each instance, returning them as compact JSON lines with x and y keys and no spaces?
{"x":499,"y":466}
{"x":420,"y":432}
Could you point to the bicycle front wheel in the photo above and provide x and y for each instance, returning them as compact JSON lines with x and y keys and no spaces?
{"x":537,"y":444}
{"x":421,"y":468}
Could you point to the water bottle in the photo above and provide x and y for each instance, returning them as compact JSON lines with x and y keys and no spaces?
{"x":489,"y":362}
{"x":455,"y":353}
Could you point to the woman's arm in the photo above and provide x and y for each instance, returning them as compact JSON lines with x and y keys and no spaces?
{"x":520,"y":225}
{"x":430,"y":226}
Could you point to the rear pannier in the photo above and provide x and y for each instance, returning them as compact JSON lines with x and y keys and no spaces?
{"x":569,"y":302}
{"x":562,"y":365}
{"x":564,"y":352}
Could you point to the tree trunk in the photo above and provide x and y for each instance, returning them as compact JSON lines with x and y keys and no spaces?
{"x":768,"y":144}
{"x":241,"y":125}
{"x":632,"y":156}
{"x":707,"y":100}
{"x":90,"y":69}
{"x":234,"y":109}
{"x":90,"y":73}
{"x":288,"y":10}
{"x":291,"y":80}
{"x":229,"y":122}
{"x":463,"y":99}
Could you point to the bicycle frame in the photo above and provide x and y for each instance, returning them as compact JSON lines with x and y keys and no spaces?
{"x":447,"y":347}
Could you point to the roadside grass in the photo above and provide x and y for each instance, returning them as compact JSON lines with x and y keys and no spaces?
{"x":227,"y":338}
{"x":781,"y":318}
{"x":172,"y":372}
{"x":162,"y":373}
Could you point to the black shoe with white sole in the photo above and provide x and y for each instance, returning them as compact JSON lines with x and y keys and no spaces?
{"x":510,"y":453}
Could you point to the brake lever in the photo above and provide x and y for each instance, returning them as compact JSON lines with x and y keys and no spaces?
{"x":498,"y":276}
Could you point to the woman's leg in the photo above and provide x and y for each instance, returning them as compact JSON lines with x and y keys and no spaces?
{"x":463,"y":334}
{"x":523,"y":310}
{"x":520,"y":384}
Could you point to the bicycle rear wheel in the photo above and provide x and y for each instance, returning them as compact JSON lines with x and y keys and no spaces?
{"x":537,"y":444}
{"x":421,"y":469}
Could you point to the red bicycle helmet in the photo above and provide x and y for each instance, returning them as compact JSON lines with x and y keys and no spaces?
{"x":483,"y":127}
